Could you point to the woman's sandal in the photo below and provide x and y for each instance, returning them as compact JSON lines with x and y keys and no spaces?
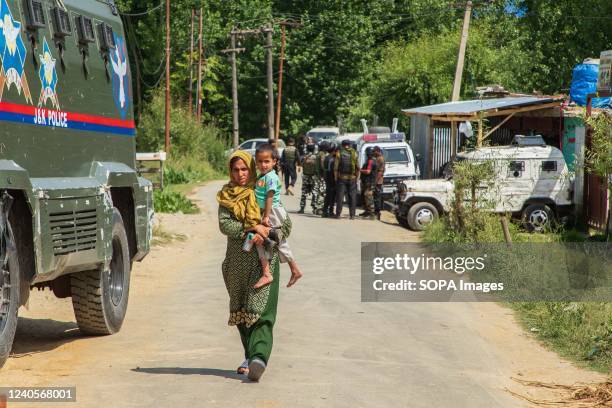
{"x":256,"y":369}
{"x":244,"y":367}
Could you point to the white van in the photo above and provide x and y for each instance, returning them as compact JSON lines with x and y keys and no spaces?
{"x":532,"y":182}
{"x":320,"y":133}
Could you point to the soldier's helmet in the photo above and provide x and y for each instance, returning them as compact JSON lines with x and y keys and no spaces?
{"x":310,"y":148}
{"x":323,"y":146}
{"x":369,"y":151}
{"x":332,"y":147}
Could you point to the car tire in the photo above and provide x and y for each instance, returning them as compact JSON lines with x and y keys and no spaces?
{"x":538,"y":217}
{"x":10,"y":283}
{"x":100,"y":297}
{"x":420,"y":215}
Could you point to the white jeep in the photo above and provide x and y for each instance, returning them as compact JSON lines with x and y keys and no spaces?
{"x":531,"y":181}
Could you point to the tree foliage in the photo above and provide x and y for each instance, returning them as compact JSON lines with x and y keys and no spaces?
{"x":358,"y":58}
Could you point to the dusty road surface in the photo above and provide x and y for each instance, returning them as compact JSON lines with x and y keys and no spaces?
{"x":331,"y":350}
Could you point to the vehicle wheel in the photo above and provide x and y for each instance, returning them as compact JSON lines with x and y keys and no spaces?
{"x":538,"y":217}
{"x":420,"y":215}
{"x":9,"y":296}
{"x":100,"y":297}
{"x":403,"y":221}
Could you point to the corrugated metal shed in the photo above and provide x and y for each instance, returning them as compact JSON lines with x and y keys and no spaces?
{"x":432,"y":127}
{"x":470,"y":109}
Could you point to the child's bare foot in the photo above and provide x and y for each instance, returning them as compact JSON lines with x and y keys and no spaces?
{"x":296,"y":274}
{"x":264,"y":280}
{"x":266,"y":276}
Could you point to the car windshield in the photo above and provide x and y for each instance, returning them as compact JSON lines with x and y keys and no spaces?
{"x":396,"y":155}
{"x":318,"y":136}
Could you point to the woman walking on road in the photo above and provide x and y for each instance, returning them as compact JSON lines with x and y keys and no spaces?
{"x":252,"y":310}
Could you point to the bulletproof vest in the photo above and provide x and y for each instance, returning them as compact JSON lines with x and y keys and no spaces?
{"x":345,"y":164}
{"x":310,"y":164}
{"x":290,"y":154}
{"x":328,"y":164}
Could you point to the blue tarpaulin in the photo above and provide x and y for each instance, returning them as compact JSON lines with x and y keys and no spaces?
{"x":584,"y":82}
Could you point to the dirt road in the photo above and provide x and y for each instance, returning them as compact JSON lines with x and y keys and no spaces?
{"x":331,"y":350}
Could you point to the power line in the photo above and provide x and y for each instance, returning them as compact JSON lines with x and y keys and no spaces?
{"x":160,"y":5}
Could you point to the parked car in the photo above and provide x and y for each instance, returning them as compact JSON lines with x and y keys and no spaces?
{"x":532,"y":182}
{"x":252,"y":144}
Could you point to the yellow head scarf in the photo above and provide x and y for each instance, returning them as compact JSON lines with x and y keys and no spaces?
{"x":240,"y":200}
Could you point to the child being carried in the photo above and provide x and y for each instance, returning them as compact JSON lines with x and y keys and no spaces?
{"x":267,"y":192}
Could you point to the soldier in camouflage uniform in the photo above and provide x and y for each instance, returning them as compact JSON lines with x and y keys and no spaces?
{"x":380,"y":172}
{"x":309,"y":179}
{"x":289,"y":162}
{"x":320,"y":179}
{"x":368,"y":182}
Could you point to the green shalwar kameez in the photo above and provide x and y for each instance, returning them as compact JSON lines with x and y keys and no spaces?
{"x":253,"y":311}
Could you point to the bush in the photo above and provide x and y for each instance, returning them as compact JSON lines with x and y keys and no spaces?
{"x":173,"y":202}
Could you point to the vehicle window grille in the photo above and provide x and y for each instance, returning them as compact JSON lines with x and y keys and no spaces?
{"x":62,"y":22}
{"x":73,"y":231}
{"x":516,"y":168}
{"x":39,"y":13}
{"x":107,"y":37}
{"x":85,"y":29}
{"x":549,"y":165}
{"x":35,"y":13}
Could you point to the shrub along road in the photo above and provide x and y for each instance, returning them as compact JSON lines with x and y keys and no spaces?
{"x":330,"y":350}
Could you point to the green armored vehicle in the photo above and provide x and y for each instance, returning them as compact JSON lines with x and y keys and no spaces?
{"x":74,"y":214}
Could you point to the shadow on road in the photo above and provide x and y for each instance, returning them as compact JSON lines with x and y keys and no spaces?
{"x":191,"y":371}
{"x":40,"y":335}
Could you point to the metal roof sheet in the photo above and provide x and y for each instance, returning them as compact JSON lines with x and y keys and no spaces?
{"x":478,"y":105}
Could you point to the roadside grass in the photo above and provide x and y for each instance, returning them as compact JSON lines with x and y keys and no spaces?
{"x":163,"y":237}
{"x":578,"y":331}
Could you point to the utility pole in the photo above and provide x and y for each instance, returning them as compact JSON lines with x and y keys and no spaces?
{"x":269,"y":48}
{"x":167,"y":136}
{"x":199,"y":95}
{"x":191,"y":65}
{"x":280,"y":84}
{"x":459,"y":72}
{"x":233,"y":51}
{"x":283,"y":25}
{"x":462,"y":46}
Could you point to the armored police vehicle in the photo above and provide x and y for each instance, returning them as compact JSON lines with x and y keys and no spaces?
{"x":74,"y":214}
{"x":531,"y":181}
